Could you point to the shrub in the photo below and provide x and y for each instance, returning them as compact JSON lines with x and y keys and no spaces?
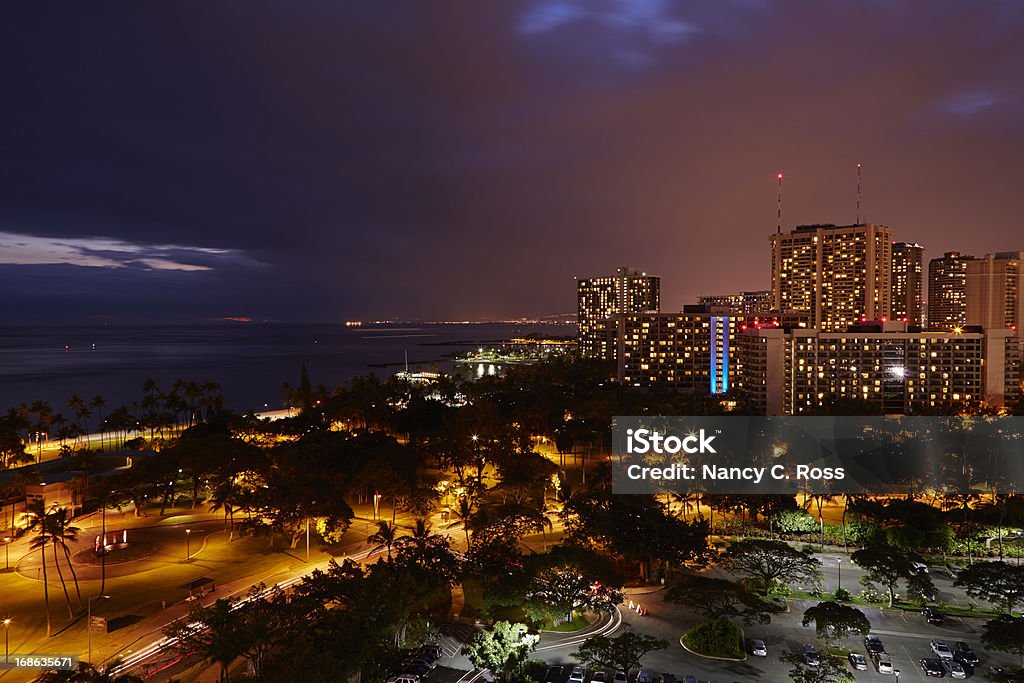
{"x":717,"y":638}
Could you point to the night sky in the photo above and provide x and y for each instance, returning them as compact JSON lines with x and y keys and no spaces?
{"x":320,"y":161}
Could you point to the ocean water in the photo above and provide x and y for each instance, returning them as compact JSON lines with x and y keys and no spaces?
{"x":251,"y":361}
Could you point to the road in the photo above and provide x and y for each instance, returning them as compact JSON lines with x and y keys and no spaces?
{"x":146,"y":594}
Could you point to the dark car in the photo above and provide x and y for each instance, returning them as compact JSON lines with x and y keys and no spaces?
{"x":964,"y":654}
{"x":933,"y":616}
{"x":421,"y":670}
{"x":431,"y":651}
{"x":554,"y":675}
{"x":811,"y":656}
{"x":873,"y":644}
{"x":931,"y":666}
{"x":667,"y":678}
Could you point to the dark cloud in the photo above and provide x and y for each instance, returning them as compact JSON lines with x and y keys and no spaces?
{"x":467,"y":159}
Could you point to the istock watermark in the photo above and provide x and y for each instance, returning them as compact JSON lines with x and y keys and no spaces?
{"x":786,"y":455}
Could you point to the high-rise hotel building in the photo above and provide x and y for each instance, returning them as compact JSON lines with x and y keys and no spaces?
{"x":947,"y":291}
{"x":839,"y":275}
{"x":600,"y":299}
{"x":994,"y":292}
{"x":907,"y":302}
{"x":758,"y":302}
{"x":896,"y":366}
{"x":691,"y":350}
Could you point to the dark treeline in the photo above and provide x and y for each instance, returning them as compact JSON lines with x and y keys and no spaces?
{"x":402,"y":452}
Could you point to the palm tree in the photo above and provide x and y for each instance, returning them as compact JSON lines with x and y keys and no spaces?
{"x":385,"y":537}
{"x":463,"y":515}
{"x":99,"y":404}
{"x":44,"y":418}
{"x":77,"y":404}
{"x":63,"y":532}
{"x":42,"y":538}
{"x":419,"y":541}
{"x":686,"y":501}
{"x":224,"y":497}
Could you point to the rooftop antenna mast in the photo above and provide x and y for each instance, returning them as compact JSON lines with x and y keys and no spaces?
{"x":858,"y":195}
{"x":778,"y":228}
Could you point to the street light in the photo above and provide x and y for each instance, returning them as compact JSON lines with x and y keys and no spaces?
{"x":7,"y":552}
{"x":896,"y":672}
{"x":839,"y":581}
{"x":88,"y":623}
{"x":188,"y":545}
{"x":7,"y":640}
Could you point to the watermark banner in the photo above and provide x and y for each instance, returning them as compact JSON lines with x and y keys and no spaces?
{"x":818,"y":455}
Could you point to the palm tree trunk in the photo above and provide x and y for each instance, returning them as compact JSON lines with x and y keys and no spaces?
{"x":46,"y":593}
{"x":74,"y":576}
{"x":63,"y":583}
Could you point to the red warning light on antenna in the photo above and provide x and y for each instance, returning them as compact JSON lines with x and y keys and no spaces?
{"x":779,"y":176}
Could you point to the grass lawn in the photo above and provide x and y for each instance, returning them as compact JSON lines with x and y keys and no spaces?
{"x":579,"y":622}
{"x":720,"y":638}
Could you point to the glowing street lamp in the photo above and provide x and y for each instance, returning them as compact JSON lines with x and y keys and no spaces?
{"x":7,"y":552}
{"x":7,"y":640}
{"x":188,"y":545}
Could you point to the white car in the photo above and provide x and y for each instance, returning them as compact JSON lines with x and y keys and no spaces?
{"x":758,"y":648}
{"x":599,"y":677}
{"x":883,"y":663}
{"x":620,"y":676}
{"x":941,"y":650}
{"x":919,"y":567}
{"x":578,"y":674}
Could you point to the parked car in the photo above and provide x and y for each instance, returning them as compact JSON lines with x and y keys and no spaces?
{"x":941,"y":650}
{"x":964,"y":654}
{"x":883,"y":663}
{"x":919,"y":567}
{"x":599,"y":677}
{"x":619,"y":677}
{"x":858,"y":662}
{"x":873,"y":644}
{"x":954,"y":668}
{"x":758,"y":648}
{"x":419,"y":670}
{"x":953,"y":570}
{"x":933,"y":616}
{"x":644,"y":677}
{"x":553,"y":675}
{"x":689,"y":678}
{"x":426,"y":660}
{"x":431,"y":651}
{"x":932,"y":667}
{"x":403,"y":678}
{"x":811,"y":656}
{"x":578,"y":674}
{"x":666,"y":678}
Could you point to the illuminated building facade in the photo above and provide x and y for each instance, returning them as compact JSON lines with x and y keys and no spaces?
{"x":896,"y":366}
{"x":600,"y":299}
{"x":839,"y":275}
{"x":993,"y":292}
{"x":691,"y":350}
{"x":907,"y":303}
{"x":746,"y":303}
{"x":947,"y":291}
